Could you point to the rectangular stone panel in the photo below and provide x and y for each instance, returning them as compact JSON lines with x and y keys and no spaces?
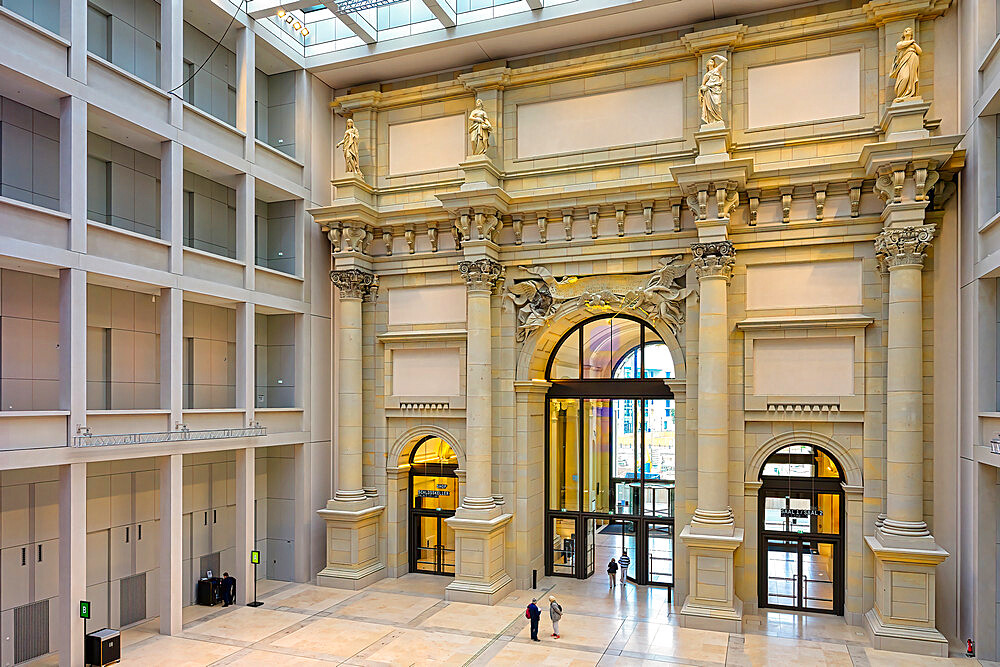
{"x":619,"y":118}
{"x":427,"y":145}
{"x":809,"y":90}
{"x":425,"y":372}
{"x":804,"y":285}
{"x":426,"y":305}
{"x":803,"y":366}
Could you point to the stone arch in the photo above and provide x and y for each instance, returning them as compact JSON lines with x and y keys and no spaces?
{"x":539,"y":345}
{"x":404,"y":443}
{"x":852,"y":470}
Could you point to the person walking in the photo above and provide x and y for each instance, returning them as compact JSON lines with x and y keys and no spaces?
{"x":623,"y":562}
{"x":533,"y":614}
{"x":555,"y":613}
{"x":612,"y":574}
{"x":228,"y":589}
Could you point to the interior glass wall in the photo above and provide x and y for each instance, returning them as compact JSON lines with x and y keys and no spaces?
{"x":611,"y":450}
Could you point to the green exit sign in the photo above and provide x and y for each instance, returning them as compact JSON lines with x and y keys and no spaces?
{"x":255,"y":557}
{"x":84,"y":609}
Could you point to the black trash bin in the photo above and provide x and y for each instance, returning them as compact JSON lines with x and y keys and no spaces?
{"x":209,"y":592}
{"x":103,"y":647}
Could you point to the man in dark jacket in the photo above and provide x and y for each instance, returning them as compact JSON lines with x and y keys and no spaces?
{"x":228,"y":589}
{"x":534,"y":614}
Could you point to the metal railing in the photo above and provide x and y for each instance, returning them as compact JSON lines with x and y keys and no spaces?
{"x":90,"y":440}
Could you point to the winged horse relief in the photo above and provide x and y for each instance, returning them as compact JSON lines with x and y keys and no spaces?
{"x":656,"y":295}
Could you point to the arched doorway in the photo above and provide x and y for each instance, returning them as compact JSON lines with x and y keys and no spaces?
{"x":433,"y":498}
{"x":801,"y":505}
{"x":610,"y":451}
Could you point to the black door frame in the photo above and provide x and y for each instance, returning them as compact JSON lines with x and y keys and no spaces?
{"x":802,"y":487}
{"x":413,"y":513}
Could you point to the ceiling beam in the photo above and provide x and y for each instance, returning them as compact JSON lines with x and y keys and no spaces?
{"x":357,"y":23}
{"x":259,"y":9}
{"x":443,"y":12}
{"x":535,"y":4}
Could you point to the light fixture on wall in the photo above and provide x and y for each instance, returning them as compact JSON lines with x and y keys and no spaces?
{"x":296,"y":24}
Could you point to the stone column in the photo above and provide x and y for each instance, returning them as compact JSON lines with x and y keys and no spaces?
{"x":479,"y":525}
{"x":712,"y":537}
{"x":171,"y":471}
{"x":906,"y":555}
{"x":72,"y":562}
{"x":352,"y":518}
{"x":246,"y":523}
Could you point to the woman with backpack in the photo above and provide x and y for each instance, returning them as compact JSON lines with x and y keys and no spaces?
{"x":612,"y":574}
{"x":555,"y":613}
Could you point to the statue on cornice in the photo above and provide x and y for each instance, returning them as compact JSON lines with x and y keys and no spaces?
{"x":906,"y":67}
{"x":710,"y":92}
{"x":480,"y":128}
{"x":350,"y":143}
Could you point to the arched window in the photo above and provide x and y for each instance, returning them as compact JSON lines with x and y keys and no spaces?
{"x":605,"y":348}
{"x":433,"y":499}
{"x":801,"y":461}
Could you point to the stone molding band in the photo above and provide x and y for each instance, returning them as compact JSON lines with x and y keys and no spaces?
{"x":903,"y":246}
{"x":355,"y":284}
{"x":482,"y":275}
{"x":713,"y":259}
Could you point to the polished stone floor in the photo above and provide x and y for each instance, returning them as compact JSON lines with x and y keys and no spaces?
{"x":407,"y":622}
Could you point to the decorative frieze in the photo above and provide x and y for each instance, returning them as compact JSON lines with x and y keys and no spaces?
{"x":482,"y":274}
{"x":713,"y":259}
{"x":656,"y":295}
{"x":903,"y":246}
{"x":854,"y":188}
{"x":355,"y":284}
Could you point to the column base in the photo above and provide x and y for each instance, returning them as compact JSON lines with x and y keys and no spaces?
{"x":712,"y":603}
{"x":904,"y":120}
{"x":480,"y":572}
{"x":903,"y":618}
{"x":352,"y":539}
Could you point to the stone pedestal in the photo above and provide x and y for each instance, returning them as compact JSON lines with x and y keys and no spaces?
{"x":352,"y":539}
{"x":713,"y":143}
{"x":480,"y":172}
{"x":903,"y":617}
{"x":480,"y":571}
{"x":712,"y":603}
{"x":902,"y":121}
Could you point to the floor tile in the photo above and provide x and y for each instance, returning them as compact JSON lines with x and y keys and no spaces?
{"x":325,"y":637}
{"x":245,"y":624}
{"x":175,"y":652}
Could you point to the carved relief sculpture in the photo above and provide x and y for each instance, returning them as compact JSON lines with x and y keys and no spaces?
{"x":906,"y":67}
{"x":350,"y":143}
{"x":657,"y":295}
{"x":480,"y":128}
{"x":710,"y":92}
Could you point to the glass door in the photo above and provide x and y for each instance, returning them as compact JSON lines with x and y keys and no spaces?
{"x":801,"y":574}
{"x":660,"y":554}
{"x":563,"y":546}
{"x":434,"y":545}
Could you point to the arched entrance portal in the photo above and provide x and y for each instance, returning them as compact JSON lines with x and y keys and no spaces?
{"x":610,"y":451}
{"x":433,"y":498}
{"x":801,"y":503}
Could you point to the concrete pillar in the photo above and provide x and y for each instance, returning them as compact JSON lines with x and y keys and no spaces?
{"x":171,"y":470}
{"x":172,"y":55}
{"x":352,"y":516}
{"x":73,"y":347}
{"x":172,"y":202}
{"x":73,"y":27}
{"x":246,"y":227}
{"x":479,"y":524}
{"x":172,"y":353}
{"x":246,"y":384}
{"x":246,"y":534}
{"x":303,"y":511}
{"x":73,"y":167}
{"x":246,"y":80}
{"x":712,"y":537}
{"x":906,"y":554}
{"x":72,"y":562}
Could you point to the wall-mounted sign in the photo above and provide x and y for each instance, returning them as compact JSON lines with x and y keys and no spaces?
{"x":800,"y":514}
{"x":84,"y":609}
{"x":431,"y":493}
{"x":442,"y":486}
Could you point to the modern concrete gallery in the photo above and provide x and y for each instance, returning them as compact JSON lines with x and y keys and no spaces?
{"x":494,"y":289}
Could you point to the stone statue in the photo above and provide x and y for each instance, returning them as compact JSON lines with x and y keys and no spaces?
{"x":906,"y":67}
{"x":710,"y":92}
{"x":350,"y":144}
{"x":479,"y":129}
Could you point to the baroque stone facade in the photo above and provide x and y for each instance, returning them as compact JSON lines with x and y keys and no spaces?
{"x":785,"y":257}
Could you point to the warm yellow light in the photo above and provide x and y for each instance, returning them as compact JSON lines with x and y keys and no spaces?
{"x":281,"y":13}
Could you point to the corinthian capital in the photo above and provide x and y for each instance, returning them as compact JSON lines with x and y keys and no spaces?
{"x":482,"y":274}
{"x":903,"y":246}
{"x":713,"y":259}
{"x":355,"y":284}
